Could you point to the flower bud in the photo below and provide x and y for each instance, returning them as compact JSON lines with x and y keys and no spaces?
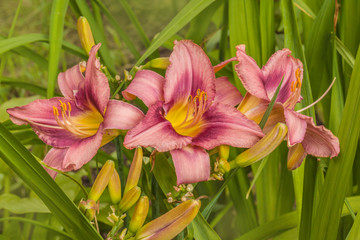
{"x":135,"y":170}
{"x":223,"y":166}
{"x":102,"y":180}
{"x":139,"y":215}
{"x":262,"y":148}
{"x":85,"y":34}
{"x":115,"y":187}
{"x":129,"y":199}
{"x":160,"y":63}
{"x":171,"y":223}
{"x":224,"y":151}
{"x":89,"y":208}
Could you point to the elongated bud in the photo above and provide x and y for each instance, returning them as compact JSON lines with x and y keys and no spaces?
{"x":224,"y":151}
{"x":223,"y":166}
{"x":102,"y":180}
{"x":129,"y":199}
{"x":171,"y":223}
{"x":85,"y":34}
{"x":115,"y":187}
{"x":262,"y":148}
{"x":135,"y":170}
{"x":159,"y":63}
{"x":140,"y":214}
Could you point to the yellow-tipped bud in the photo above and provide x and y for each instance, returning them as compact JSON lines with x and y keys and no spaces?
{"x":102,"y":180}
{"x":224,"y":151}
{"x":135,"y":170}
{"x":89,"y":208}
{"x":140,"y":214}
{"x":129,"y":199}
{"x":159,"y":63}
{"x":85,"y":34}
{"x":171,"y":223}
{"x":115,"y":187}
{"x":262,"y":148}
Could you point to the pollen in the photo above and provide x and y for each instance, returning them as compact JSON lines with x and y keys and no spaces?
{"x":296,"y":84}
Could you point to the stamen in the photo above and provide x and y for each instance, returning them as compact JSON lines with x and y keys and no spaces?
{"x":319,"y":99}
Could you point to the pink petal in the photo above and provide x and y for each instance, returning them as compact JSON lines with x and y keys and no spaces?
{"x":250,"y":74}
{"x":227,"y":93}
{"x":147,"y":85}
{"x":192,"y":164}
{"x":69,"y":81}
{"x":190,"y":69}
{"x":279,"y":65}
{"x":319,"y":141}
{"x":223,"y":64}
{"x":121,"y":115}
{"x":40,"y":115}
{"x":155,"y":131}
{"x":224,"y":125}
{"x":296,"y":155}
{"x":83,"y":151}
{"x":54,"y":158}
{"x":296,"y":127}
{"x":96,"y":91}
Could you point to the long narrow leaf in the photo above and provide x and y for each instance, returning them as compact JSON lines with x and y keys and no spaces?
{"x":32,"y":173}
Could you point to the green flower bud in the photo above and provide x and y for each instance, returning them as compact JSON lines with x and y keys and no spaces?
{"x":139,"y":215}
{"x":115,"y":187}
{"x":160,"y":63}
{"x":171,"y":223}
{"x":85,"y":34}
{"x":224,"y":151}
{"x":129,"y":199}
{"x":89,"y":208}
{"x":102,"y":180}
{"x":135,"y":170}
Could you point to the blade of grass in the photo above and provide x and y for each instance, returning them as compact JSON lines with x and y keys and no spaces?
{"x":300,"y":4}
{"x":119,"y":30}
{"x":136,"y":22}
{"x":355,"y":230}
{"x":345,"y":52}
{"x":57,"y":16}
{"x":32,"y":173}
{"x":267,"y":29}
{"x":191,"y":10}
{"x":327,"y":217}
{"x":23,"y":84}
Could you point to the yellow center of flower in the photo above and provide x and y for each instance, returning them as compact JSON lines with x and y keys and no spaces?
{"x":186,"y":118}
{"x":295,"y":91}
{"x":83,"y":125}
{"x":296,"y":84}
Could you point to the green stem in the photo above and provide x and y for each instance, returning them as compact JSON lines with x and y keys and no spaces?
{"x":120,"y":160}
{"x":115,"y":229}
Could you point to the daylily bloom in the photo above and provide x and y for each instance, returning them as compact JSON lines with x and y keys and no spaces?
{"x":77,"y":124}
{"x":188,"y":113}
{"x":304,"y":137}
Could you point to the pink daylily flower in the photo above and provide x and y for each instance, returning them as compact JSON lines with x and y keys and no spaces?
{"x":77,"y":124}
{"x":188,"y":113}
{"x":304,"y":137}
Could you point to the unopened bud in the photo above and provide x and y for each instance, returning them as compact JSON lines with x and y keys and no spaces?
{"x":115,"y":188}
{"x":89,"y":208}
{"x":139,"y":215}
{"x":85,"y":34}
{"x":129,"y":199}
{"x":171,"y":223}
{"x":262,"y":148}
{"x":189,"y":187}
{"x":159,"y":63}
{"x":135,"y":170}
{"x":102,"y":180}
{"x":223,"y":166}
{"x":224,"y":151}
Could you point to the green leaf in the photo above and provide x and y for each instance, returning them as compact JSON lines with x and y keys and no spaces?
{"x":267,"y":29}
{"x":33,"y":174}
{"x":327,"y":218}
{"x":191,"y":10}
{"x":11,"y":43}
{"x":269,"y":229}
{"x":18,"y":205}
{"x":355,"y":230}
{"x":202,"y":229}
{"x":24,"y":85}
{"x":57,"y":16}
{"x":344,"y":52}
{"x":136,"y":22}
{"x":14,"y":103}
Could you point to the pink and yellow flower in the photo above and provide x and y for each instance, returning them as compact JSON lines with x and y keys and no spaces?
{"x":189,"y":111}
{"x":303,"y":137}
{"x":77,"y":124}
